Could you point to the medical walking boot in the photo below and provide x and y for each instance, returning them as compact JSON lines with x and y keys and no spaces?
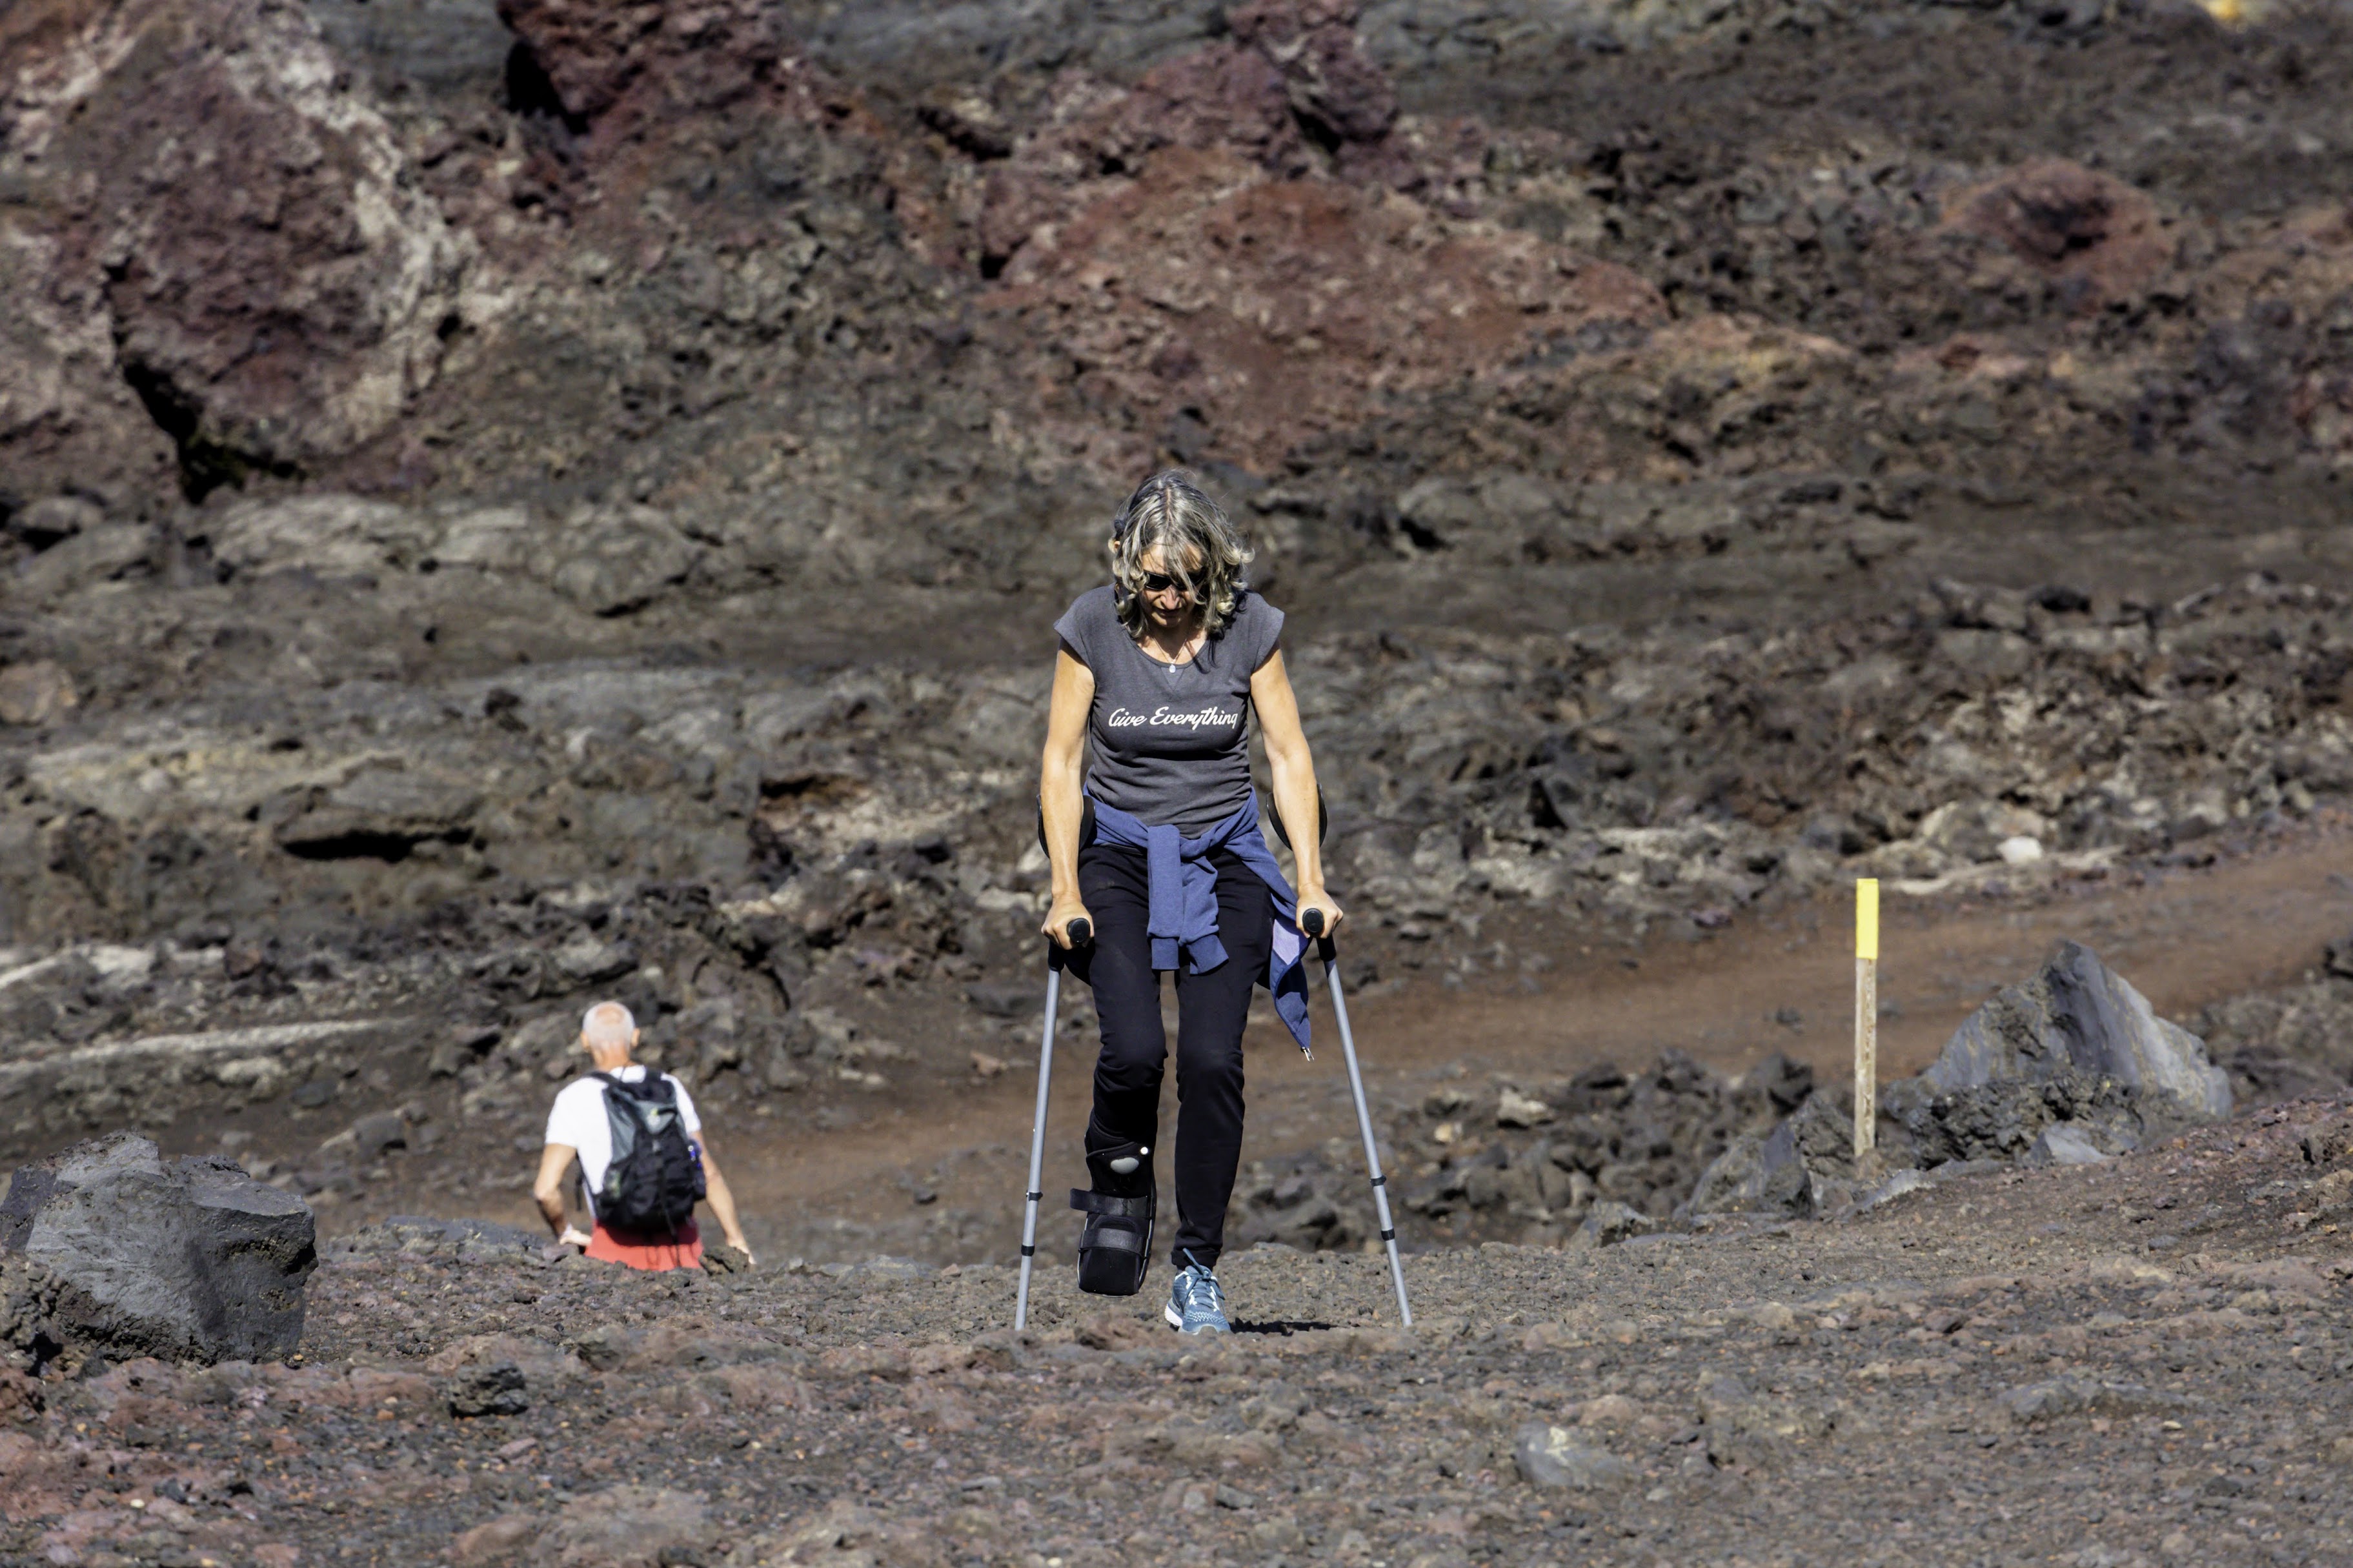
{"x":1116,"y":1243}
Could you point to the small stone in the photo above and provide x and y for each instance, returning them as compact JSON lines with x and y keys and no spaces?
{"x":2331,"y":1192}
{"x":2177,"y":1546}
{"x":493,"y":1390}
{"x":1549,"y":1455}
{"x":497,"y":1540}
{"x":1609,"y":1410}
{"x":2072,"y":1393}
{"x":1517,"y":1110}
{"x":1281,"y":1533}
{"x":586,"y":960}
{"x":36,"y":693}
{"x":1773,"y":1315}
{"x":1608,"y":1223}
{"x":2064,"y":1144}
{"x":49,"y":523}
{"x":718,"y":1257}
{"x":2020,"y":850}
{"x":374,"y":1134}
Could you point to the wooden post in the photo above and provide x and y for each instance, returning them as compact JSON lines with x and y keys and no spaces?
{"x":1866,"y":1024}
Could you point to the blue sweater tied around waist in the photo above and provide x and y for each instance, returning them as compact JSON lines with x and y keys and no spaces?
{"x":1183,"y":913}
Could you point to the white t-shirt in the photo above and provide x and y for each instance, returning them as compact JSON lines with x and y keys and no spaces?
{"x":577,"y":1120}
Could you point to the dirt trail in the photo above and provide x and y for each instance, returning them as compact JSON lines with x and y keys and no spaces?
{"x":2187,"y":938}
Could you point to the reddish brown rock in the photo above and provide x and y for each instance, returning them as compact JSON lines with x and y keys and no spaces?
{"x":685,"y":55}
{"x":1333,"y":84}
{"x":226,"y":256}
{"x":2095,"y":237}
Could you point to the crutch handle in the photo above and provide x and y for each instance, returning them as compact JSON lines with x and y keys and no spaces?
{"x":1312,"y":922}
{"x":1082,"y":933}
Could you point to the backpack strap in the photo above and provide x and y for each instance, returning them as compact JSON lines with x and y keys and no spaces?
{"x":655,"y":1086}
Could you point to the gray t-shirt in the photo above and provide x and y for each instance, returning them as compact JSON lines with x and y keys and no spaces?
{"x":1170,"y":743}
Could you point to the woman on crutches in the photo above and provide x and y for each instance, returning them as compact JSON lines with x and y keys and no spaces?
{"x":1159,"y":850}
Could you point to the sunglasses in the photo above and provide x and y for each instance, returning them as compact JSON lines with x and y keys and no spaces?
{"x":1158,"y":582}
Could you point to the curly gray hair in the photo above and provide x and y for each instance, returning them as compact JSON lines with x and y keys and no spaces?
{"x":1202,"y":548}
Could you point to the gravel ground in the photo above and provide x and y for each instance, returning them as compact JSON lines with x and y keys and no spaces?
{"x":2145,"y":1361}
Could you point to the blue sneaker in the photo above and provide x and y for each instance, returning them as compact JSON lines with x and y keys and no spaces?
{"x":1196,"y":1305}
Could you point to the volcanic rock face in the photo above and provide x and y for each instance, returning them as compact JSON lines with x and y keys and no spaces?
{"x":1692,"y":486}
{"x":194,"y":1260}
{"x":227,"y":231}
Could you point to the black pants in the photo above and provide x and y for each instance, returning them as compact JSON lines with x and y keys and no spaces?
{"x":1211,"y":1010}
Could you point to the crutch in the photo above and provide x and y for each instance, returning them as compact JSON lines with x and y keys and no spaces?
{"x":1327,"y":951}
{"x":1313,"y":921}
{"x":1056,"y":956}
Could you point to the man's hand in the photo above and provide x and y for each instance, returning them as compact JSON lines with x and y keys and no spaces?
{"x":739,"y":1244}
{"x":547,"y":1191}
{"x":572,"y":1236}
{"x":721,"y":1201}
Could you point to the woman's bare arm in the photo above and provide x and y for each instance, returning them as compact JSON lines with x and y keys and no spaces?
{"x":1061,"y":791}
{"x":1294,"y":783}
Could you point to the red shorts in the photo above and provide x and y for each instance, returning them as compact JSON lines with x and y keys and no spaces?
{"x":657,"y":1254}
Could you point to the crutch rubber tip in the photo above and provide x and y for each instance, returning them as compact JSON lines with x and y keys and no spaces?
{"x":1312,"y":922}
{"x":1082,"y":933}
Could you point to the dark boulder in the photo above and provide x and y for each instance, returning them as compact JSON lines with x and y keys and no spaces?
{"x":1782,"y":1169}
{"x":187,"y":1260}
{"x":2079,"y":1018}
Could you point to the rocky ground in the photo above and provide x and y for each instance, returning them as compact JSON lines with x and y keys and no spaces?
{"x":2144,"y":1362}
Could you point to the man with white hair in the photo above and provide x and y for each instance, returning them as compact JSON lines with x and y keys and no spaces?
{"x":641,"y":1210}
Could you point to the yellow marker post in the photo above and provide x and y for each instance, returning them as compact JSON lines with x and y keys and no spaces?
{"x":1866,"y":1022}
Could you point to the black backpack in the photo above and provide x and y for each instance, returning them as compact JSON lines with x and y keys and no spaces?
{"x":656,"y":1175}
